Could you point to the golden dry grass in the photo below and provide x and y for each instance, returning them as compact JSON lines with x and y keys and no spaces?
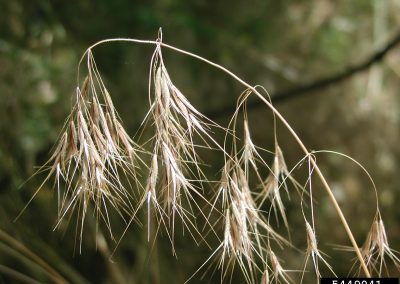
{"x":95,"y":155}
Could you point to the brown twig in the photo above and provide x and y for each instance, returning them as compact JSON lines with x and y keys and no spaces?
{"x":294,"y":92}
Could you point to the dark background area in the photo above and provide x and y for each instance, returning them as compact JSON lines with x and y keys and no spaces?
{"x":277,"y":44}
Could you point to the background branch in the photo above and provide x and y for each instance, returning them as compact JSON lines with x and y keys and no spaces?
{"x":347,"y":72}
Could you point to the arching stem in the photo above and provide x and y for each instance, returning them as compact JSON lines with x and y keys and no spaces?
{"x":277,"y":113}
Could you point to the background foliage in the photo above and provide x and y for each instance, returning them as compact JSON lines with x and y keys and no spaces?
{"x":277,"y":44}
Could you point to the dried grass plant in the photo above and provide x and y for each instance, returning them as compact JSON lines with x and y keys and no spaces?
{"x":94,"y":154}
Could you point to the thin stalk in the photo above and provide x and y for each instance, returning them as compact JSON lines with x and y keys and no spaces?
{"x":16,"y":275}
{"x":57,"y":277}
{"x":275,"y":111}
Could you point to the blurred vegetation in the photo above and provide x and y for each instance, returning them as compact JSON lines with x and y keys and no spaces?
{"x":277,"y":44}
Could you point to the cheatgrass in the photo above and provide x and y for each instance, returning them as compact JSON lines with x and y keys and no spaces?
{"x":98,"y":167}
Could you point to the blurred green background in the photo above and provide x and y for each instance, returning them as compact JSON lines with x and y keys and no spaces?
{"x":277,"y":44}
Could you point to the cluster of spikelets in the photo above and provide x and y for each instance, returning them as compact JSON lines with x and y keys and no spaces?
{"x":98,"y":168}
{"x":175,"y":177}
{"x":92,"y":153}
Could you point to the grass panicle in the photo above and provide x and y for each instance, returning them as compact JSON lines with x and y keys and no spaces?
{"x":98,"y":167}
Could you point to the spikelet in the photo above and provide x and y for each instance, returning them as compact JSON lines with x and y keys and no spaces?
{"x":279,"y":274}
{"x":313,"y":251}
{"x":376,"y":248}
